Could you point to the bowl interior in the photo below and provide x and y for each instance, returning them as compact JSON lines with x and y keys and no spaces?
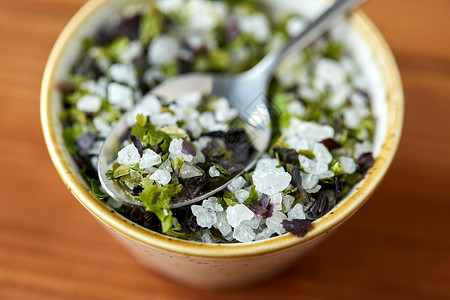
{"x":371,"y":54}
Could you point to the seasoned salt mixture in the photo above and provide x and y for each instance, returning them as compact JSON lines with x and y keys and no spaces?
{"x":322,"y":120}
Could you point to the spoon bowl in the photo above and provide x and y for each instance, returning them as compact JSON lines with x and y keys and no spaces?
{"x":255,"y":114}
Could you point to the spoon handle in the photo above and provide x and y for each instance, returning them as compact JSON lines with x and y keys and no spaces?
{"x":313,"y":31}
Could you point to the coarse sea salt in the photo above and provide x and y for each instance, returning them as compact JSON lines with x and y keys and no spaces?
{"x":124,"y":74}
{"x":163,"y":50}
{"x":205,"y":217}
{"x":297,"y":212}
{"x":244,"y":233}
{"x":274,"y":222}
{"x":89,"y":103}
{"x":236,"y":184}
{"x":120,"y":95}
{"x":149,"y":159}
{"x":238,"y":213}
{"x":222,"y":223}
{"x":128,"y":155}
{"x":213,"y":172}
{"x":161,"y":177}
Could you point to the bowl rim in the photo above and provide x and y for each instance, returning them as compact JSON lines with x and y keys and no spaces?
{"x":61,"y":159}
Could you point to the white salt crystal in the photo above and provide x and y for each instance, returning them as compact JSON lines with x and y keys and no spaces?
{"x":167,"y":166}
{"x":243,"y":233}
{"x":131,"y":52}
{"x":128,"y":155}
{"x":198,"y":158}
{"x":274,"y":222}
{"x":188,"y":170}
{"x":297,"y":212}
{"x":213,"y":172}
{"x":103,"y":127}
{"x":120,"y":95}
{"x":222,"y":223}
{"x":264,"y":234}
{"x":163,"y":50}
{"x":201,"y":15}
{"x":149,"y":106}
{"x":270,"y":184}
{"x":315,"y":189}
{"x":288,"y":200}
{"x":236,"y":184}
{"x":161,"y":177}
{"x":321,"y":153}
{"x":163,"y":119}
{"x":212,"y":204}
{"x":296,"y":108}
{"x":149,"y":159}
{"x":193,"y":126}
{"x":206,"y":238}
{"x":295,"y":25}
{"x":267,"y":164}
{"x":152,"y":76}
{"x":205,"y":217}
{"x":255,"y":25}
{"x":89,"y":103}
{"x":309,"y":130}
{"x":326,"y":174}
{"x":191,"y":99}
{"x":321,"y":167}
{"x":277,"y":200}
{"x":339,"y":96}
{"x":241,"y":195}
{"x":305,"y":92}
{"x":209,"y":123}
{"x":223,"y":112}
{"x":175,"y":147}
{"x":253,"y":223}
{"x":238,"y":213}
{"x":329,"y":73}
{"x":96,"y":87}
{"x":348,"y":164}
{"x":123,"y":74}
{"x":307,"y":164}
{"x":167,"y":6}
{"x":309,"y":180}
{"x":352,"y":118}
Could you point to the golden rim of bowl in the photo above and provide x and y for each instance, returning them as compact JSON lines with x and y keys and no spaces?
{"x":61,"y":159}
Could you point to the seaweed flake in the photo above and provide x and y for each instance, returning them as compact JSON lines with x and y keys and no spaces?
{"x":187,"y":148}
{"x":365,"y":161}
{"x":319,"y":208}
{"x":137,"y":143}
{"x":85,"y":143}
{"x":297,"y":227}
{"x":331,"y":144}
{"x":262,"y":209}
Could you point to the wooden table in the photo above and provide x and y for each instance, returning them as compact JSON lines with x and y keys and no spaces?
{"x":396,"y":246}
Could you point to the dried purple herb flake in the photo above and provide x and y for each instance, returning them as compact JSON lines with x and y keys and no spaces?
{"x":319,"y":208}
{"x":297,"y":227}
{"x":137,"y":143}
{"x":331,"y":144}
{"x":85,"y":143}
{"x":262,"y":209}
{"x":365,"y":161}
{"x":187,"y":148}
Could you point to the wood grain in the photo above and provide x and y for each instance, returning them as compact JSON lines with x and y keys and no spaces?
{"x":396,"y":246}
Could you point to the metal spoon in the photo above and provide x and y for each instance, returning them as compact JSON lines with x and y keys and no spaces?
{"x":245,"y":92}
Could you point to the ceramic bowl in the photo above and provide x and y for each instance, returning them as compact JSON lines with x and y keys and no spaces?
{"x":216,"y":265}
